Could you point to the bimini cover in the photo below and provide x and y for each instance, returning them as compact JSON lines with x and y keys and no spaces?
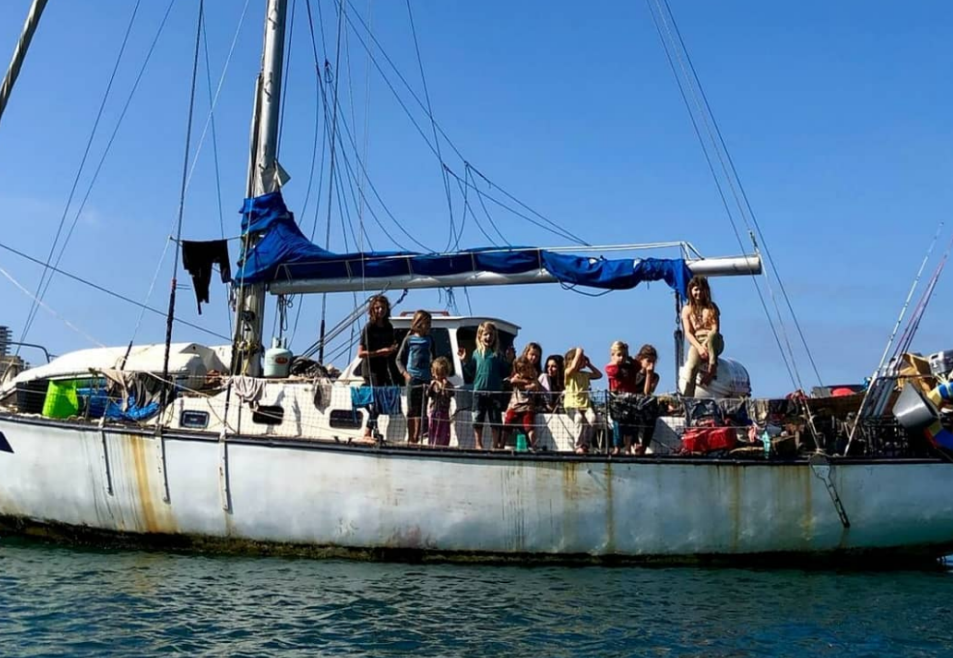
{"x":284,"y":254}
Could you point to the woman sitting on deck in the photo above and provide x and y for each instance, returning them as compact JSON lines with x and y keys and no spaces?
{"x":701,"y":323}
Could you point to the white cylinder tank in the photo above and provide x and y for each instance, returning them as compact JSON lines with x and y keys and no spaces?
{"x":277,"y":360}
{"x":732,"y":381}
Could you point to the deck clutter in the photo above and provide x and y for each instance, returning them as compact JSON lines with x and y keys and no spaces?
{"x":312,"y":403}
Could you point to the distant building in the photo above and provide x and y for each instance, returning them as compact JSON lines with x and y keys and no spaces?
{"x":6,"y":336}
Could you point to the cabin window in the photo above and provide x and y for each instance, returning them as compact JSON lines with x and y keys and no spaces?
{"x":466,"y":338}
{"x":268,"y":414}
{"x":441,"y":343}
{"x":194,"y":420}
{"x":345,"y":419}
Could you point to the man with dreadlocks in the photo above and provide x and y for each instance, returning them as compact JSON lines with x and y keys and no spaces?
{"x":701,"y":322}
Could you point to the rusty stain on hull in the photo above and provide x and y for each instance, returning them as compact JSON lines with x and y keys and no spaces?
{"x":155,"y":515}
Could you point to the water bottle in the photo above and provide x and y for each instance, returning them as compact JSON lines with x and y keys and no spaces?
{"x":766,"y":441}
{"x":521,"y":443}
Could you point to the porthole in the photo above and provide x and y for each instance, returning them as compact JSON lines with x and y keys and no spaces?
{"x":193,"y":420}
{"x":345,"y":419}
{"x":268,"y":414}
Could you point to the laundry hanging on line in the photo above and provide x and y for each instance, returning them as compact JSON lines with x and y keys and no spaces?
{"x":198,"y":259}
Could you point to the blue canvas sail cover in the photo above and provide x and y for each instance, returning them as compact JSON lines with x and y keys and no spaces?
{"x":283,"y":253}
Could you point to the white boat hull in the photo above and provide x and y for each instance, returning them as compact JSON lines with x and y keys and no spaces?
{"x":319,"y":494}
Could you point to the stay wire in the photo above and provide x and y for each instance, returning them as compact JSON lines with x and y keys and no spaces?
{"x":109,"y":143}
{"x":466,"y":204}
{"x":468,"y":174}
{"x":218,"y":173}
{"x":334,"y":129}
{"x":747,"y":204}
{"x":181,"y":212}
{"x":424,"y":108}
{"x":709,"y":161}
{"x":111,"y":293}
{"x":433,"y":125}
{"x":370,"y":183}
{"x":82,"y":165}
{"x":314,"y":151}
{"x":287,"y":73}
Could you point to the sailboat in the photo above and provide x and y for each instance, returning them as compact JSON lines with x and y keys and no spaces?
{"x":221,"y":447}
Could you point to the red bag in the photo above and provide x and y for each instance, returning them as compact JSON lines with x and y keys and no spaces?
{"x":699,"y":440}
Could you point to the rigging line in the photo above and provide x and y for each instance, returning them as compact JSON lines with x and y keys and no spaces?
{"x":218,"y":92}
{"x":468,"y":173}
{"x":484,"y":195}
{"x":109,"y":292}
{"x":466,"y":293}
{"x":424,"y":108}
{"x":218,"y":174}
{"x":152,"y":285}
{"x":433,"y":125}
{"x":181,"y":213}
{"x":563,"y":231}
{"x":694,"y":84}
{"x":334,"y":130}
{"x":463,"y":219}
{"x":744,"y":197}
{"x":314,"y":151}
{"x":466,"y":204}
{"x":370,"y":183}
{"x":82,"y":166}
{"x":41,"y":304}
{"x":367,"y":119}
{"x":287,"y":72}
{"x":718,"y":186}
{"x":109,"y":143}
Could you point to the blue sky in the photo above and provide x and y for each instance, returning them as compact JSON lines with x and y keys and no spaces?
{"x":837,"y":115}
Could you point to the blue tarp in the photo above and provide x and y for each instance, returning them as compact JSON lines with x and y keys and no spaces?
{"x":284,"y":254}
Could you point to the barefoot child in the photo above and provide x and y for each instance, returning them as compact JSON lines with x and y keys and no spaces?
{"x":413,"y":359}
{"x":440,"y":393}
{"x":488,"y":368}
{"x":701,"y":322}
{"x":522,"y":406}
{"x":576,"y":398}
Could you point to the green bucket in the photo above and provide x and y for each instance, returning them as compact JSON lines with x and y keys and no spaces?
{"x":61,"y":400}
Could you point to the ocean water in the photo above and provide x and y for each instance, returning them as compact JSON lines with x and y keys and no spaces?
{"x":57,"y":600}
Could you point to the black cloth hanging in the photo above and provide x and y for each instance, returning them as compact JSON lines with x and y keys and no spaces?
{"x":198,"y":259}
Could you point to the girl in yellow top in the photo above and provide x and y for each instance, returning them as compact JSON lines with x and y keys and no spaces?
{"x":579,"y":372}
{"x":701,"y":322}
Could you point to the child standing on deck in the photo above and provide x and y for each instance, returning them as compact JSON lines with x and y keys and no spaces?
{"x":413,"y":359}
{"x":440,"y":393}
{"x":488,"y":368}
{"x":522,"y":407}
{"x":621,"y":371}
{"x":576,"y":398}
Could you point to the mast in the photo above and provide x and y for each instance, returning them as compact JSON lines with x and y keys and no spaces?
{"x":264,"y":176}
{"x":19,"y":53}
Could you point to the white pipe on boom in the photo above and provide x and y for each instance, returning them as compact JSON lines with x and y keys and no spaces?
{"x":731,"y":266}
